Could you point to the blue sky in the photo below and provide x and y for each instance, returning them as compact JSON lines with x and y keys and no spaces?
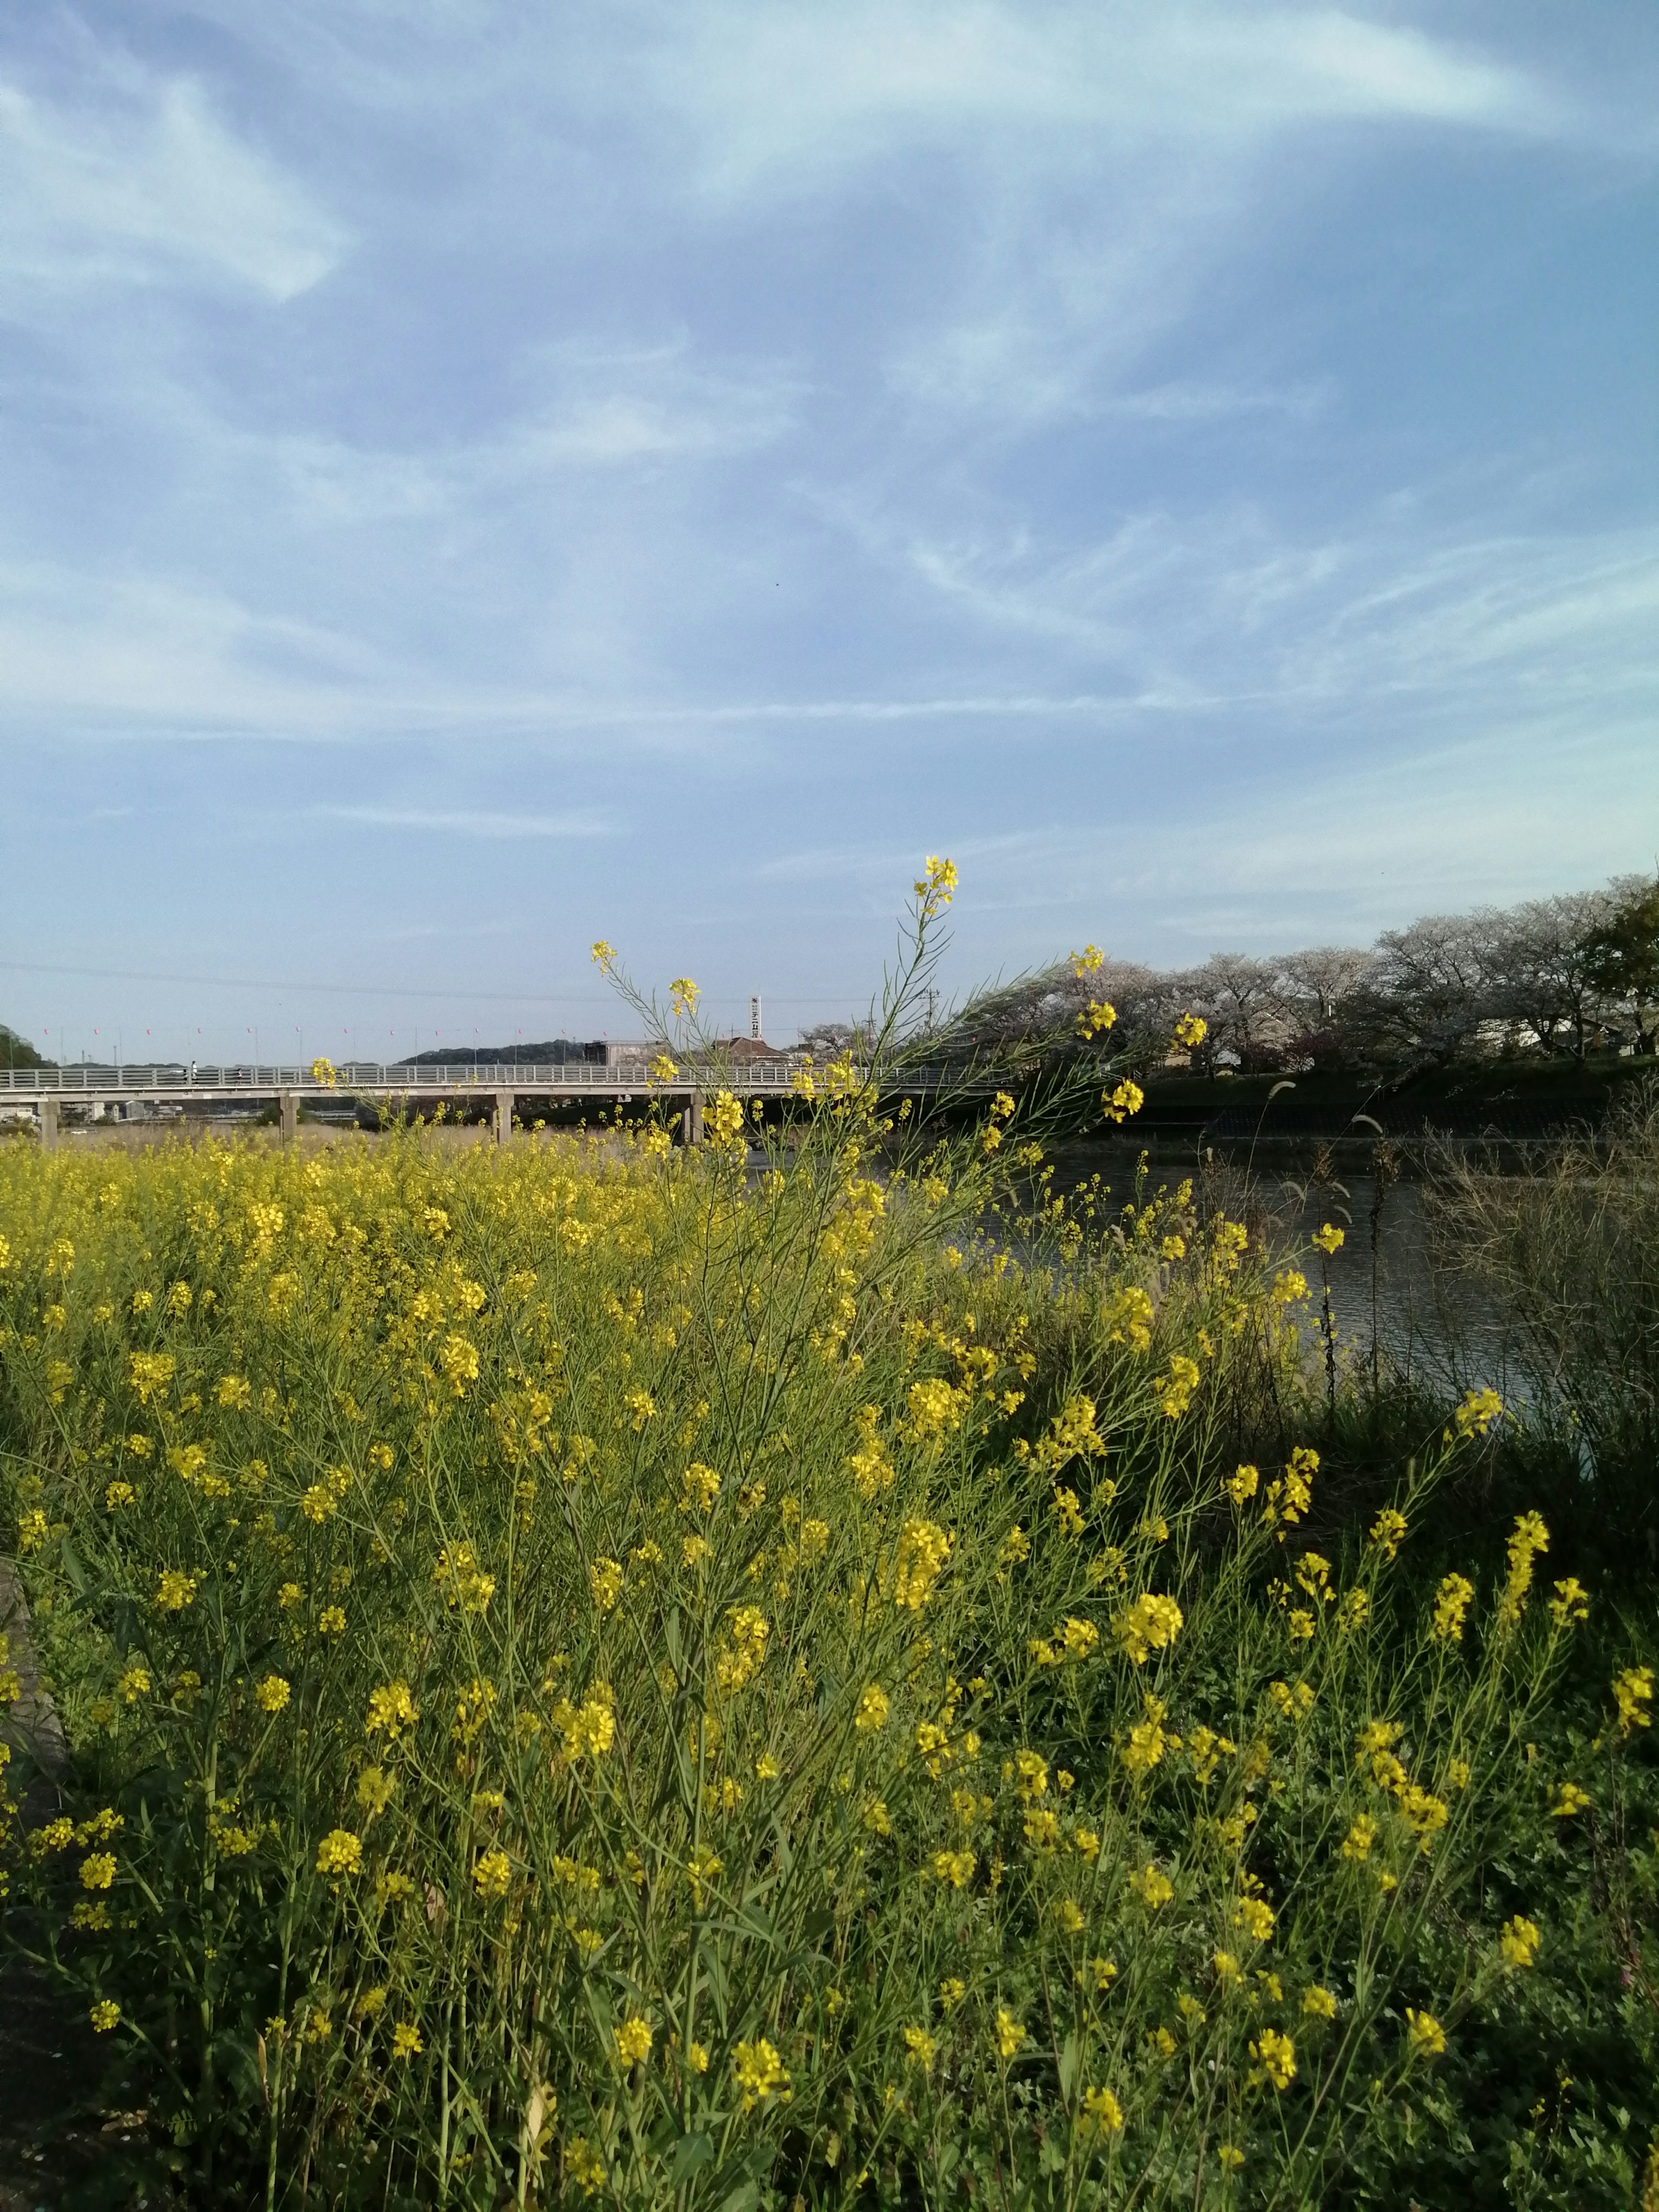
{"x":474,"y":479}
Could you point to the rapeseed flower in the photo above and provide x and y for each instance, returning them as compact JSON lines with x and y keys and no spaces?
{"x":1427,"y":2035}
{"x":1103,"y":2113}
{"x":1451,"y":1602}
{"x":1633,"y":1693}
{"x":758,"y":2071}
{"x":1519,"y":1940}
{"x":340,"y":1853}
{"x":1151,"y":1623}
{"x":1275,"y":2053}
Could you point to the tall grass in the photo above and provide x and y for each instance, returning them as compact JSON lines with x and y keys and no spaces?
{"x":1566,"y":1255}
{"x":691,"y":1678}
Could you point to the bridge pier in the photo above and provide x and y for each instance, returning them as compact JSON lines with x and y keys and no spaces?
{"x":48,"y":1125}
{"x":503,"y":1117}
{"x":287,"y":1116}
{"x":691,"y":1121}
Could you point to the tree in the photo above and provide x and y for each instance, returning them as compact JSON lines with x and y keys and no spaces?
{"x":18,"y":1052}
{"x":1430,"y":989}
{"x":1540,"y":967}
{"x":1237,"y":997}
{"x":1622,"y":961}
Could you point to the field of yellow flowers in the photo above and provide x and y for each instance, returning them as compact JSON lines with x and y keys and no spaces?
{"x":602,"y":1673}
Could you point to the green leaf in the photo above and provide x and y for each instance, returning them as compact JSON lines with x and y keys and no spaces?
{"x":1071,"y":2059}
{"x":690,"y":2153}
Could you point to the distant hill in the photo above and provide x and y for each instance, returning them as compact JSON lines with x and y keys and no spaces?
{"x":507,"y":1055}
{"x":18,"y":1052}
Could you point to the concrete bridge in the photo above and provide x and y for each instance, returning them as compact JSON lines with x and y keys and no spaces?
{"x":46,"y":1092}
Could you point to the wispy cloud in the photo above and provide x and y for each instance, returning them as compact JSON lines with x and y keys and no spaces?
{"x":135,"y":179}
{"x":466,"y":822}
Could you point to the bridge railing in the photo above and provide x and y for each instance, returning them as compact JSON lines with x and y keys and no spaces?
{"x":262,"y":1079}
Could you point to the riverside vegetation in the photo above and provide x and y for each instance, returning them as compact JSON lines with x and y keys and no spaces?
{"x":598,"y":1674}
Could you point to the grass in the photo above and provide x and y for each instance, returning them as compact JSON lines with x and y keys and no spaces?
{"x":595,"y":1673}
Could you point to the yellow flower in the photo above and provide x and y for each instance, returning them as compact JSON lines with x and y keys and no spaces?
{"x":920,"y":2048}
{"x":935,"y":888}
{"x":1146,"y":1739}
{"x":701,"y":1487}
{"x":1010,"y":2033}
{"x":98,"y":1871}
{"x":1530,"y":1537}
{"x":1427,"y":2033}
{"x":459,"y":1361}
{"x":758,"y":2071}
{"x":1318,"y":2002}
{"x":1357,"y":1844}
{"x":1519,"y":1940}
{"x":697,"y":2056}
{"x":176,"y":1589}
{"x":873,"y":1708}
{"x":1571,"y":1799}
{"x":632,"y":2040}
{"x":923,"y":1549}
{"x":406,"y":2040}
{"x":340,"y":1853}
{"x":1451,"y":1602}
{"x":1125,"y":1099}
{"x":1102,"y":2115}
{"x":1479,"y":1410}
{"x":955,"y":1869}
{"x":331,"y":1621}
{"x":272,"y":1694}
{"x":1151,"y":1623}
{"x":604,"y":1580}
{"x":1152,"y":1887}
{"x":586,"y":2165}
{"x":1256,"y":1917}
{"x":1226,"y":1967}
{"x":465,"y":1585}
{"x":1570,"y":1603}
{"x":1275,"y":2053}
{"x":743,"y":1654}
{"x":1240,"y":1484}
{"x":105,"y":2015}
{"x":1632,"y":1692}
{"x":492,"y":1874}
{"x":603,"y":955}
{"x":1388,"y":1530}
{"x":1328,"y":1239}
{"x":952,"y":1991}
{"x":374,"y":1789}
{"x":1191,"y":1030}
{"x":390,"y":1711}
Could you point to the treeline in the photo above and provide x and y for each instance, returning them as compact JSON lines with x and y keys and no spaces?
{"x":18,"y":1052}
{"x":1565,"y":975}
